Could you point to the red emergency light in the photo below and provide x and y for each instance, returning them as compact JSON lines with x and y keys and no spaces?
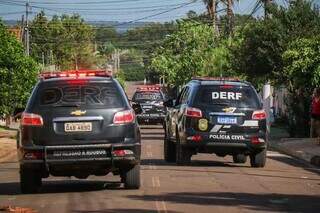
{"x":216,"y":79}
{"x":75,"y":74}
{"x":149,"y":88}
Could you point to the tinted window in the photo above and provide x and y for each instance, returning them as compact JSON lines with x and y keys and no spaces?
{"x":88,"y":94}
{"x":234,"y":96}
{"x":147,"y":96}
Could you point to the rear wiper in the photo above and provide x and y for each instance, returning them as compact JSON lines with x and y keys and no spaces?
{"x":221,"y":104}
{"x":68,"y":105}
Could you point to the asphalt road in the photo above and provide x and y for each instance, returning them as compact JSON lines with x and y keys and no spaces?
{"x":209,"y":184}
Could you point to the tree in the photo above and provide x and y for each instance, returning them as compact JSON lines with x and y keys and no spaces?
{"x":18,"y":73}
{"x":302,"y":64}
{"x":191,"y":51}
{"x":66,"y":39}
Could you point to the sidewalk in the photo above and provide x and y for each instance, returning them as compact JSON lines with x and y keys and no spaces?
{"x":8,"y":147}
{"x":306,"y":149}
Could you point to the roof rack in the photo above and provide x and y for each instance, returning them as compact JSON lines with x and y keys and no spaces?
{"x":216,"y":79}
{"x":75,"y":74}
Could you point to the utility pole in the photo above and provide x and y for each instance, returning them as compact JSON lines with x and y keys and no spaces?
{"x":266,"y":5}
{"x":27,"y":29}
{"x":230,"y":16}
{"x":214,"y":5}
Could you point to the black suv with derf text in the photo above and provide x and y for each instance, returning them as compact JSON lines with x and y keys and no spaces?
{"x":216,"y":115}
{"x":78,"y":123}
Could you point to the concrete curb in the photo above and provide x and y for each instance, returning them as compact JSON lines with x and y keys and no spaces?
{"x":307,"y":157}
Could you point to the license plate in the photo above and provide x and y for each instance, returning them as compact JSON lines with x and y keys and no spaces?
{"x":78,"y":127}
{"x":227,"y":120}
{"x":79,"y":153}
{"x":147,"y":107}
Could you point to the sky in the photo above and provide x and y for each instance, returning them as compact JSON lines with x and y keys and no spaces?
{"x":116,"y":10}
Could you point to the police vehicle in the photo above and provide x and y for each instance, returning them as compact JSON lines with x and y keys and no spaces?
{"x":150,"y":98}
{"x":216,"y":115}
{"x":78,"y":123}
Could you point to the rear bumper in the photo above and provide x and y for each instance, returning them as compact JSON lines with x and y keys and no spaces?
{"x":72,"y":157}
{"x":227,"y":143}
{"x":149,"y":118}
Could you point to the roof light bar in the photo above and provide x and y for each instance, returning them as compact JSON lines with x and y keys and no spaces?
{"x":216,"y":79}
{"x":149,"y":88}
{"x":75,"y":74}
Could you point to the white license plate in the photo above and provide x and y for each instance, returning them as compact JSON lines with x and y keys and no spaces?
{"x":78,"y":127}
{"x":227,"y":120}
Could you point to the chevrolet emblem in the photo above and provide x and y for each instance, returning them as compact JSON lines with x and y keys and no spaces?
{"x":78,"y":112}
{"x":229,"y":109}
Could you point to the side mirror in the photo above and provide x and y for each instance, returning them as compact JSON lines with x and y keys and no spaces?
{"x":137,"y":108}
{"x":169,"y":103}
{"x":17,"y":113}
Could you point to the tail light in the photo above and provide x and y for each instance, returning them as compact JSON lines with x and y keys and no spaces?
{"x":195,"y":138}
{"x":193,"y":112}
{"x":124,"y":117}
{"x":122,"y":152}
{"x":35,"y":155}
{"x":30,"y":119}
{"x":257,"y":140}
{"x":259,"y":115}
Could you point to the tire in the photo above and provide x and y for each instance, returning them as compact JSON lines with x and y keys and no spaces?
{"x":239,"y":158}
{"x":132,"y":178}
{"x":30,"y":181}
{"x":183,"y":155}
{"x":258,"y":160}
{"x":169,"y":150}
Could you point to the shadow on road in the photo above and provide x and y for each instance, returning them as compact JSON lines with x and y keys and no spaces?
{"x":296,"y":163}
{"x":194,"y":163}
{"x":151,"y":127}
{"x":271,"y":202}
{"x":156,"y":137}
{"x":62,"y":186}
{"x":123,"y":211}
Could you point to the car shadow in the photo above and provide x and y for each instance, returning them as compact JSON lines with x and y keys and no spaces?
{"x":271,"y":202}
{"x":194,"y":163}
{"x":295,"y":162}
{"x":155,"y":137}
{"x":124,"y":211}
{"x":62,"y":186}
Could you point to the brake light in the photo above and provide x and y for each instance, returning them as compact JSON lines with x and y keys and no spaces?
{"x":259,"y":115}
{"x":30,"y":119}
{"x":124,"y":117}
{"x":193,"y":112}
{"x":226,"y":86}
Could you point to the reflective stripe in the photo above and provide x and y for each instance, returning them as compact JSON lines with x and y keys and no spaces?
{"x":252,"y":123}
{"x":216,"y":128}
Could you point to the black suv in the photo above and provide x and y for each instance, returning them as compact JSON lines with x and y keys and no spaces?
{"x":78,"y":123}
{"x":216,"y":115}
{"x":150,"y":98}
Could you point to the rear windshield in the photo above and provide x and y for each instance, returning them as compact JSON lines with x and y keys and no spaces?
{"x":88,"y":94}
{"x":233,"y":96}
{"x":147,"y":96}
